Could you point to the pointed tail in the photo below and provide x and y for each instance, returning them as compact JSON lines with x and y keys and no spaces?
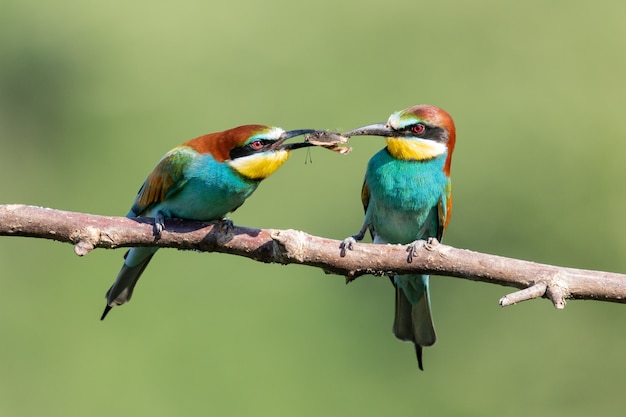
{"x":413,"y":321}
{"x":135,"y":261}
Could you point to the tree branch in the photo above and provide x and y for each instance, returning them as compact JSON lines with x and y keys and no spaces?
{"x":87,"y":232}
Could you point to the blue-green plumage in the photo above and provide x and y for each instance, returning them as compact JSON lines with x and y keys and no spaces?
{"x":205,"y":190}
{"x":403,"y":197}
{"x":407,"y":197}
{"x":203,"y":179}
{"x":403,"y":203}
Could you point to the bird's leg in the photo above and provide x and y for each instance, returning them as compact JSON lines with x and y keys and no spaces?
{"x":412,"y":249}
{"x":347,"y":243}
{"x":226,"y":225}
{"x":159,"y":223}
{"x":226,"y":229}
{"x":415,"y":245}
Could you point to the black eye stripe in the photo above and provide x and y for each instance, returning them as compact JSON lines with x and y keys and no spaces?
{"x":258,"y":145}
{"x":419,"y":130}
{"x":428,"y":132}
{"x":263,"y":142}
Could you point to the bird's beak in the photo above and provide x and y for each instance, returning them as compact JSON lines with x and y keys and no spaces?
{"x":377,"y":129}
{"x":279,"y":144}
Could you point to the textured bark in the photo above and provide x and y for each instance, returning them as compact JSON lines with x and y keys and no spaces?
{"x":87,"y":232}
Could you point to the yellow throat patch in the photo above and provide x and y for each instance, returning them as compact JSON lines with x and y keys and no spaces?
{"x":415,"y":149}
{"x":261,"y":165}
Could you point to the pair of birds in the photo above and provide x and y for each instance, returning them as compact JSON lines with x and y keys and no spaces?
{"x":406,"y":195}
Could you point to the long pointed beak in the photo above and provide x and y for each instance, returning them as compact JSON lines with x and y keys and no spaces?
{"x":292,"y":134}
{"x":377,"y":129}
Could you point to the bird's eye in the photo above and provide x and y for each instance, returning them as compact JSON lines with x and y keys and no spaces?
{"x":418,"y":128}
{"x":257,"y":144}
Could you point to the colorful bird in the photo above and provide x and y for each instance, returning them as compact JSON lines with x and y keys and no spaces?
{"x":407,"y":197}
{"x":202,"y":179}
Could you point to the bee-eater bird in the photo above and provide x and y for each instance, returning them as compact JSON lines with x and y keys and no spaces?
{"x":202,"y":179}
{"x":407,"y":197}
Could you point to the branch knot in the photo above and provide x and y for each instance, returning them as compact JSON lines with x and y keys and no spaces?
{"x":293,"y":241}
{"x":86,"y":240}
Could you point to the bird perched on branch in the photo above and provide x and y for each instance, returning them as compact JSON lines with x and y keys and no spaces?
{"x":407,"y":197}
{"x":202,"y":179}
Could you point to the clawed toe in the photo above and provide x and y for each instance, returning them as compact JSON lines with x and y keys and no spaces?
{"x":159,"y":224}
{"x":412,"y":249}
{"x":346,"y":245}
{"x":226,"y":225}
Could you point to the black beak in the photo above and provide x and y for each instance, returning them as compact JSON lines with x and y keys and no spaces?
{"x":292,"y":134}
{"x":377,"y":129}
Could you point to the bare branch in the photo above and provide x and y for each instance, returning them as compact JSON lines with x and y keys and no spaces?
{"x":87,"y":232}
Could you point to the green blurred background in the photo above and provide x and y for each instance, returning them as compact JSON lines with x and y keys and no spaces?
{"x":92,"y":94}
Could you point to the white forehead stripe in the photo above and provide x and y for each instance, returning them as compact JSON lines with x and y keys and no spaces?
{"x":398,"y":120}
{"x":273,"y":133}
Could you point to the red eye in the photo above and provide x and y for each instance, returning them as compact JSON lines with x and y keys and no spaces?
{"x":257,"y":144}
{"x":418,"y":128}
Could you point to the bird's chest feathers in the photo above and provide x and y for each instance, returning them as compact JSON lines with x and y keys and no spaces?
{"x":415,"y":149}
{"x":406,"y":185}
{"x":403,"y":197}
{"x":211,"y":190}
{"x":259,"y":166}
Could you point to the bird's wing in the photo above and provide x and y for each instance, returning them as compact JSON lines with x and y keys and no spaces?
{"x":365,"y":195}
{"x":167,"y":178}
{"x":365,"y":199}
{"x":444,"y":209}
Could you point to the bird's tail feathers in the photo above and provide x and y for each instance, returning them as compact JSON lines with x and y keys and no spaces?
{"x":413,"y":320}
{"x":423,"y":327}
{"x":122,"y":289}
{"x":403,"y":322}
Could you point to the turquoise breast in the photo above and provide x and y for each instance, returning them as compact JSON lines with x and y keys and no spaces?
{"x":404,"y":196}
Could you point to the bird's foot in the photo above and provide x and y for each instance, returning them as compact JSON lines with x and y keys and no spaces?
{"x":413,"y":247}
{"x":346,"y":245}
{"x":225,"y":229}
{"x":431,"y":242}
{"x":159,"y":224}
{"x":226,"y":225}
